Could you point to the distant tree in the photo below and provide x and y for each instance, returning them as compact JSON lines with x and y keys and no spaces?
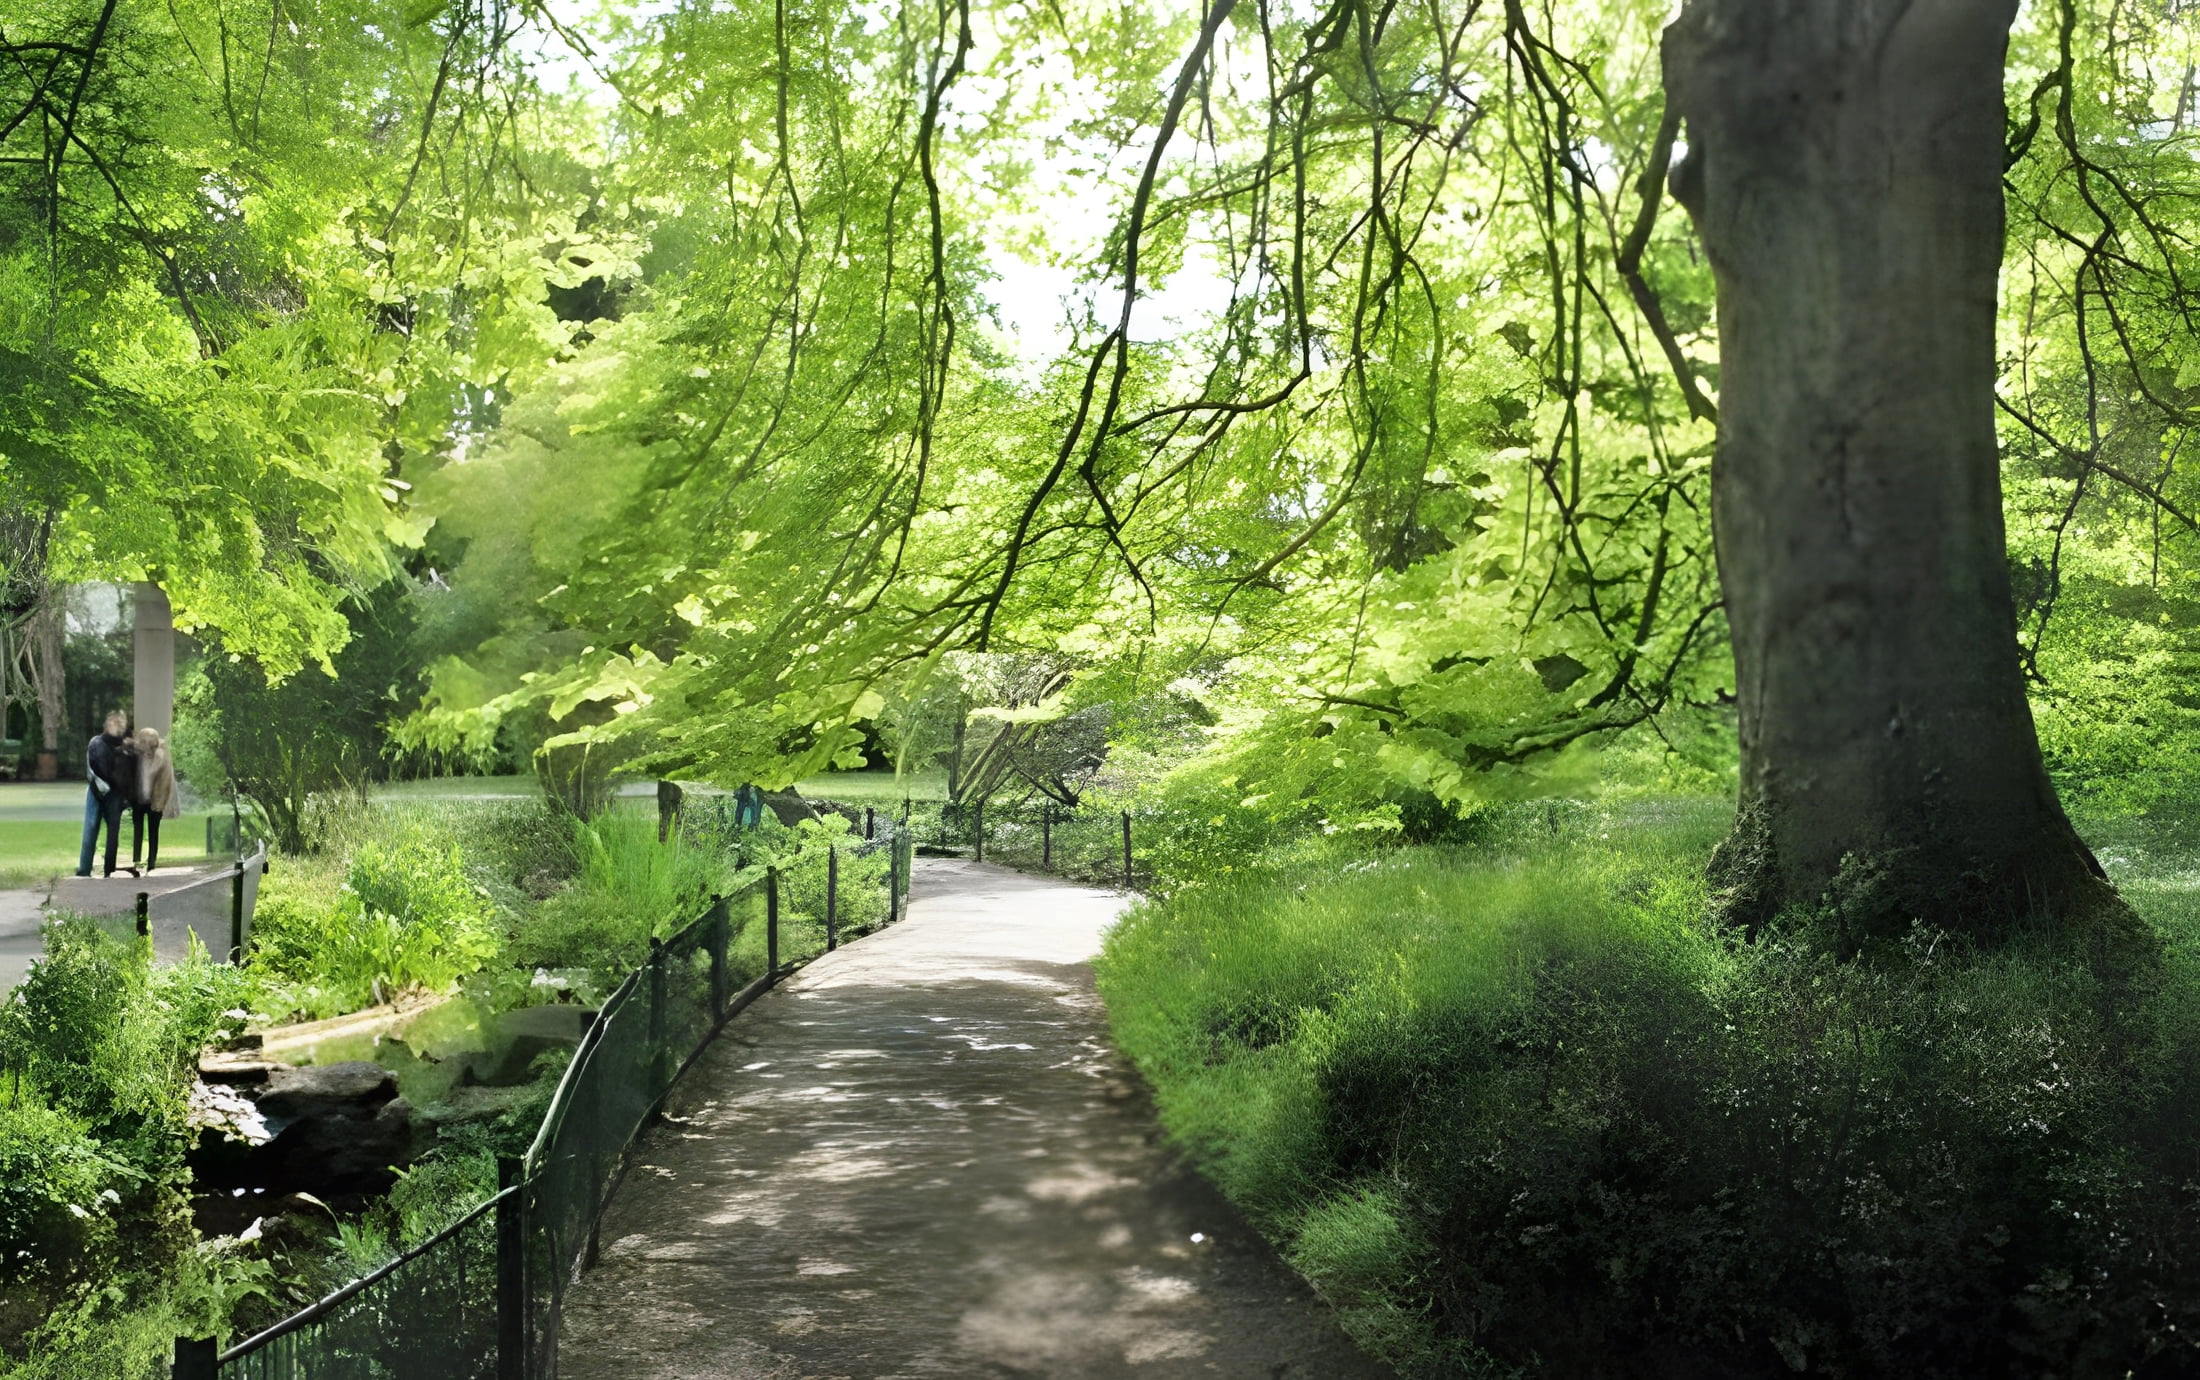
{"x":274,"y":745}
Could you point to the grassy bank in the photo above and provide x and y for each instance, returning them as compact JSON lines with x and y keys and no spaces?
{"x":1516,"y":1110}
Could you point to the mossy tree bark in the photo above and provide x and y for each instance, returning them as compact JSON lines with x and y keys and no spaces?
{"x":1844,"y":170}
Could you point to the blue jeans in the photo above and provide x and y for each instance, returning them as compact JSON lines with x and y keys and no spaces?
{"x":98,"y":809}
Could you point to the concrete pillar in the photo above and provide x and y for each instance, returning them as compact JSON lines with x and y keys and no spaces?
{"x":153,"y":697}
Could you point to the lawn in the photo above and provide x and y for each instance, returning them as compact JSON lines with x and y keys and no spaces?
{"x":875,"y":787}
{"x":41,"y":825}
{"x":34,"y":850}
{"x":40,"y":821}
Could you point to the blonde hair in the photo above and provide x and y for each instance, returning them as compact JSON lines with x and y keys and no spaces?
{"x":148,"y":738}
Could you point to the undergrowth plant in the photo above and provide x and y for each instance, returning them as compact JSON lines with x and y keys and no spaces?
{"x":1516,"y":1108}
{"x":98,"y":1048}
{"x":629,"y":887}
{"x":405,"y":917}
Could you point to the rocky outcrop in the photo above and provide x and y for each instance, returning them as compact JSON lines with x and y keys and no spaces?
{"x":323,"y":1092}
{"x":331,"y":1130}
{"x":342,"y":1129}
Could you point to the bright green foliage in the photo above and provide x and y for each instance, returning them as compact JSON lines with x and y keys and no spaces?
{"x":52,"y":1178}
{"x":101,"y":1049}
{"x":800,"y":854}
{"x":2095,"y":397}
{"x":752,"y":512}
{"x":630,"y":888}
{"x":275,"y":266}
{"x":277,"y":746}
{"x":407,"y":918}
{"x":1515,"y":1105}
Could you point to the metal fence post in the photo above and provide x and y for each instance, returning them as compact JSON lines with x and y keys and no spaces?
{"x":1126,"y":850}
{"x":720,"y":937}
{"x":771,"y":925}
{"x":511,"y":1271}
{"x":236,"y":915}
{"x":977,"y":827}
{"x":1046,"y":838}
{"x":832,"y":897}
{"x":144,"y":916}
{"x":657,"y":1052}
{"x":195,"y":1359}
{"x":893,"y":879}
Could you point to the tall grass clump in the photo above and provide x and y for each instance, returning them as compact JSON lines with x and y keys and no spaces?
{"x":1516,"y":1109}
{"x":628,"y":888}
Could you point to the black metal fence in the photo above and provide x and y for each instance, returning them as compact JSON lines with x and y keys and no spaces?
{"x":482,"y":1300}
{"x":431,"y":1314}
{"x":216,"y":910}
{"x":1083,"y":843}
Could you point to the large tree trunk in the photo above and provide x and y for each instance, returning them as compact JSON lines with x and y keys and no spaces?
{"x":43,"y":661}
{"x":1844,"y":170}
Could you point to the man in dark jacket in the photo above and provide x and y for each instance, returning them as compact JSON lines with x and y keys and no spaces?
{"x":110,"y":769}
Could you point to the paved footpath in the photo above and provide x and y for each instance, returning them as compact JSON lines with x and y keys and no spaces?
{"x":22,"y":934}
{"x":922,"y":1158}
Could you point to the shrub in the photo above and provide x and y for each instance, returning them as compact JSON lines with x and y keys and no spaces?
{"x":97,"y":1030}
{"x":1517,"y":1108}
{"x":406,"y":916}
{"x":628,"y":887}
{"x":55,"y":1186}
{"x":99,"y":1048}
{"x":800,"y":853}
{"x":527,"y":845}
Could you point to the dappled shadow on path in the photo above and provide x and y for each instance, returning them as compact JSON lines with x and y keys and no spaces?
{"x":923,"y":1159}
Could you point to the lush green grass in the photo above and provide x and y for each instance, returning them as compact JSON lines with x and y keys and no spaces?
{"x":27,"y":800}
{"x":875,"y":787}
{"x":1516,"y":1110}
{"x":33,"y":851}
{"x":40,"y":822}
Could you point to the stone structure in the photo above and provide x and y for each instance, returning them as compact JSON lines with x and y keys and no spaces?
{"x":153,"y":696}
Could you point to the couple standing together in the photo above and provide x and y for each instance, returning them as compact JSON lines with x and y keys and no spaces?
{"x":126,"y":771}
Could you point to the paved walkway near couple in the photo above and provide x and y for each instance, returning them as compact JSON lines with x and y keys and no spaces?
{"x":23,"y":910}
{"x":922,"y":1157}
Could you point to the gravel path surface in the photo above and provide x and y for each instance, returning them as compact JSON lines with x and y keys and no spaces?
{"x":921,"y":1157}
{"x":22,"y":919}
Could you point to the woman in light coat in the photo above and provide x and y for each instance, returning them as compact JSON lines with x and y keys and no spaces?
{"x":156,"y":798}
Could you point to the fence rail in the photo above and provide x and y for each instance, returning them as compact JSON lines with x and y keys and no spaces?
{"x":1082,"y":843}
{"x":216,"y":910}
{"x":482,"y":1300}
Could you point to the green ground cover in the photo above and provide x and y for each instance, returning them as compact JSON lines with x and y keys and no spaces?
{"x":40,"y":822}
{"x":1514,"y":1108}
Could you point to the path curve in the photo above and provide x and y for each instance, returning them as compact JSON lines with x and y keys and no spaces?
{"x":921,"y":1157}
